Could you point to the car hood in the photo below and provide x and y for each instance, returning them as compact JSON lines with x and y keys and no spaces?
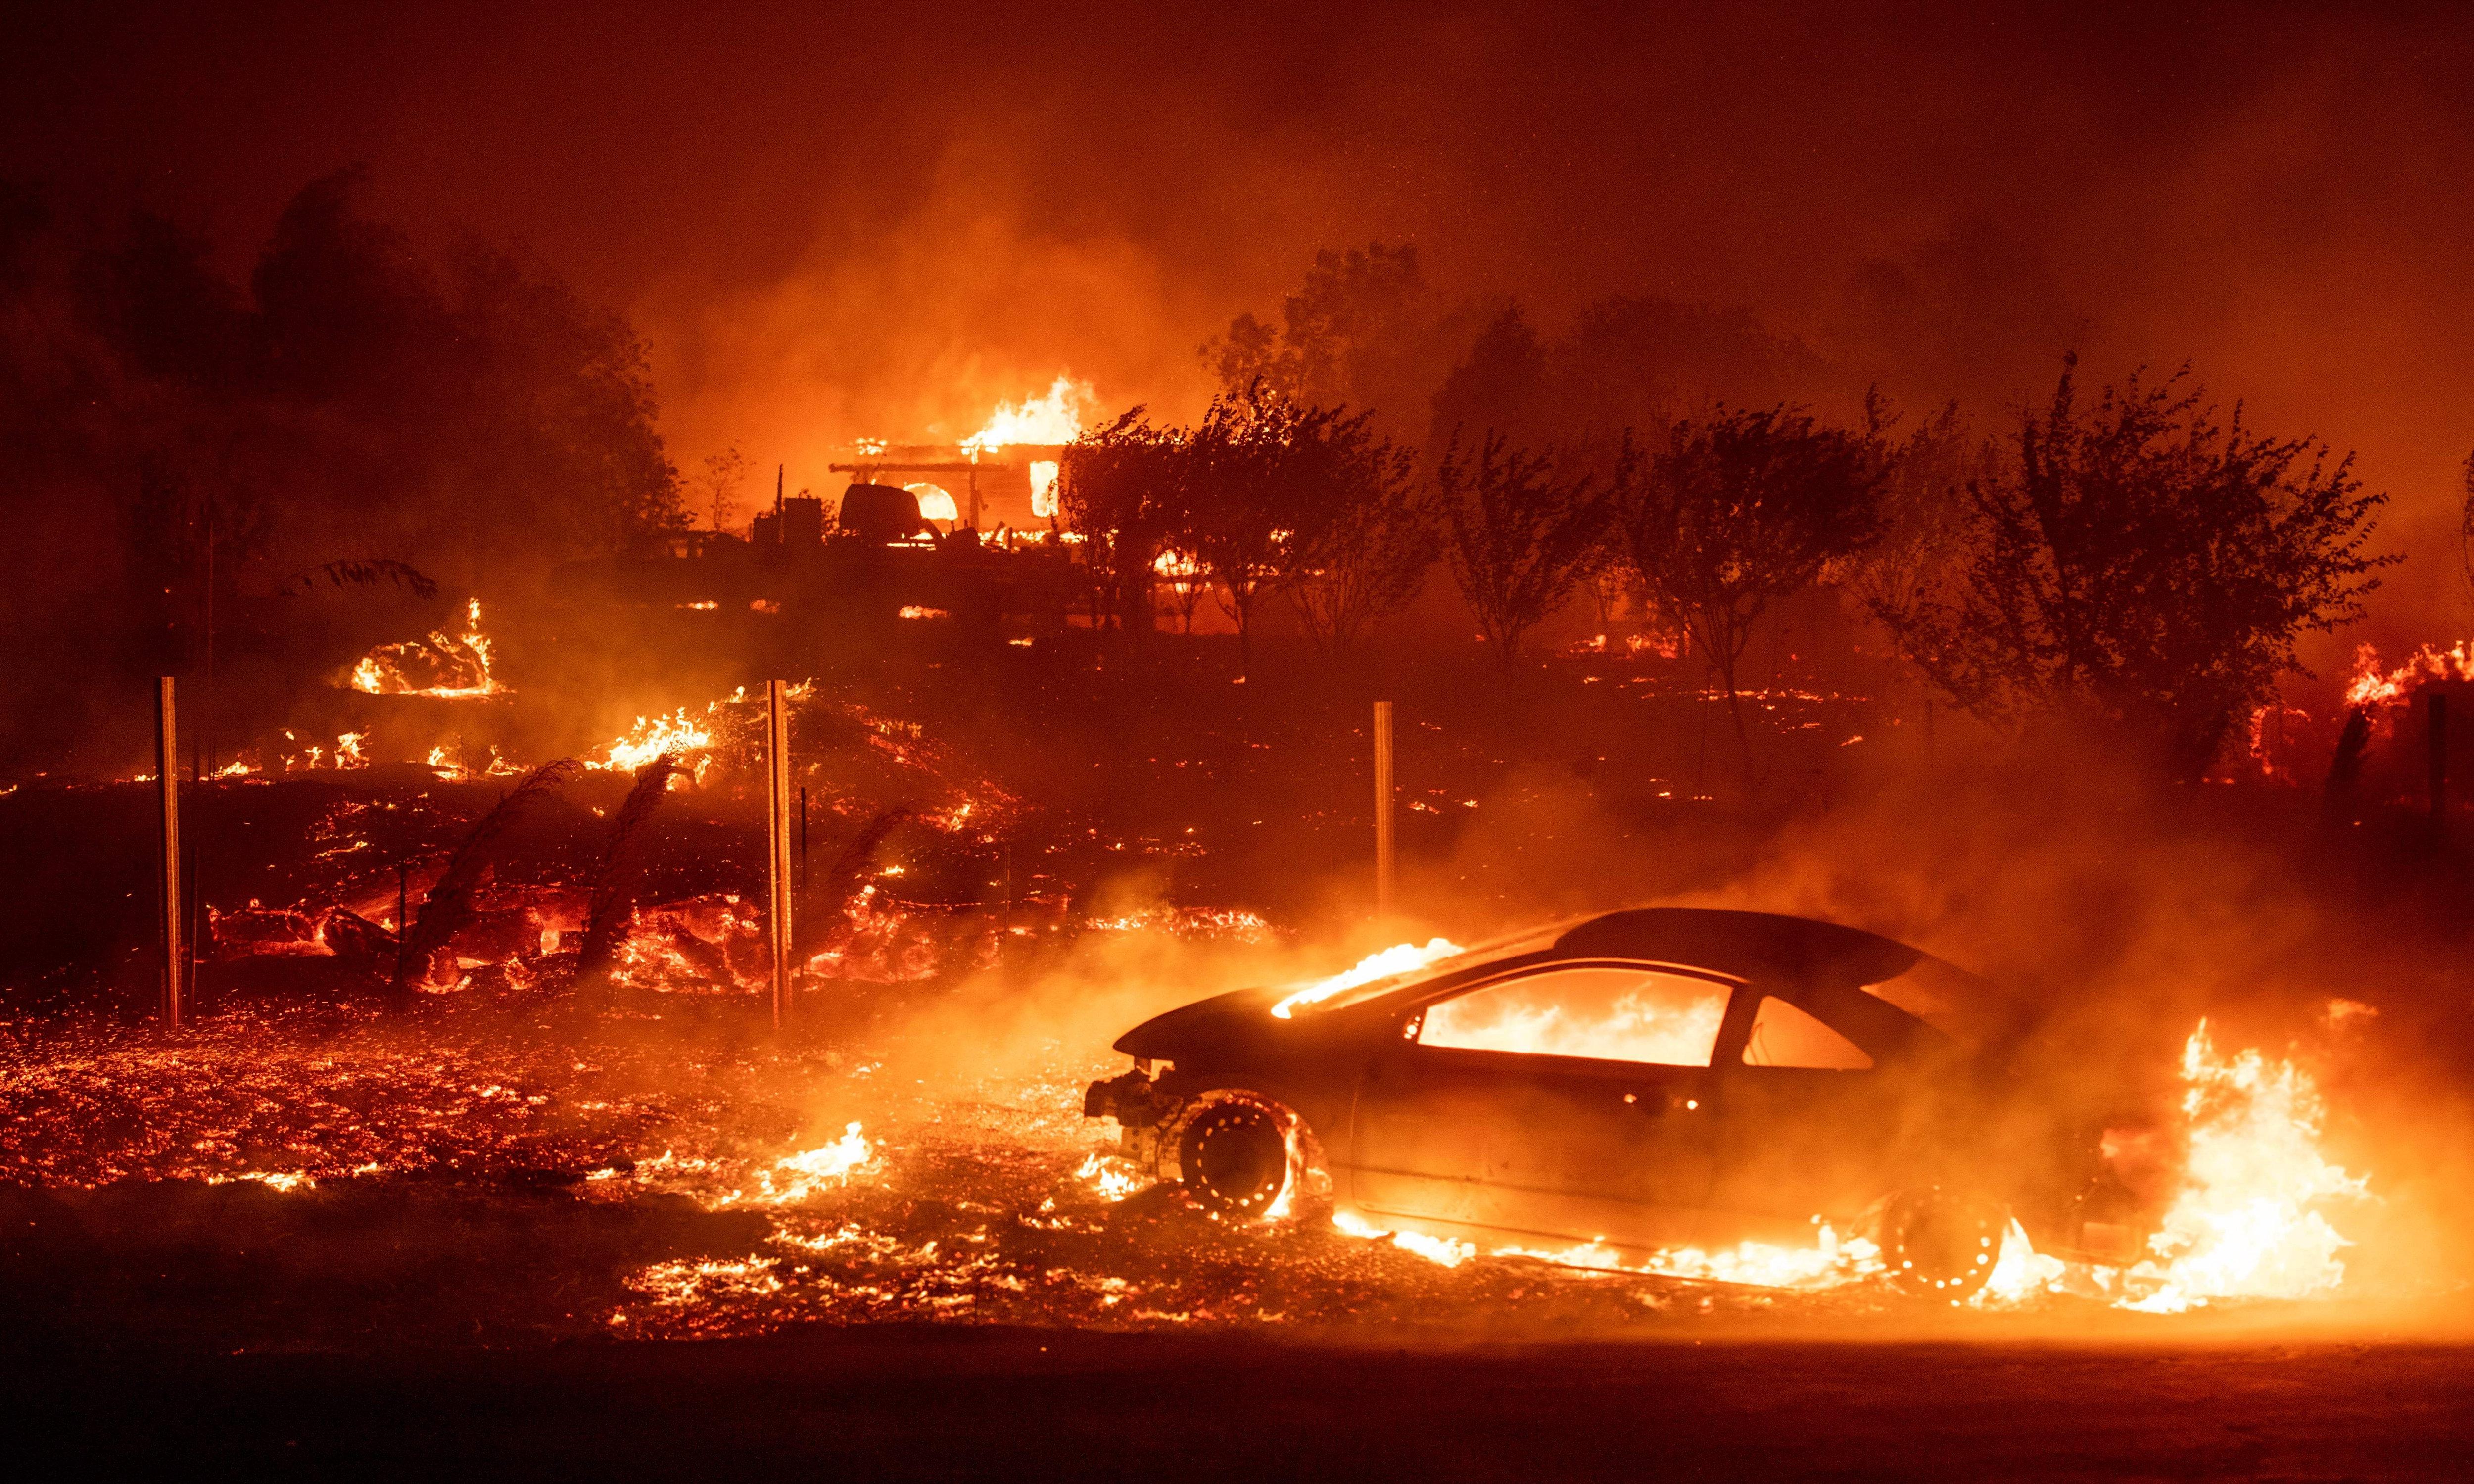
{"x":1224,"y":1022}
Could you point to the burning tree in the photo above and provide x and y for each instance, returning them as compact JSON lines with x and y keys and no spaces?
{"x":1522,"y":533}
{"x":2136,"y":566}
{"x":1742,"y":509}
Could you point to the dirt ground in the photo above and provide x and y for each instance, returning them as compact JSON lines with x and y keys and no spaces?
{"x":905,"y":1402}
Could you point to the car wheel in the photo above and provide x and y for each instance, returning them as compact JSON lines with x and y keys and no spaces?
{"x":1940,"y":1246}
{"x":1237,"y":1157}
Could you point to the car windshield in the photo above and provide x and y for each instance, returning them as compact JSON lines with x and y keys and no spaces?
{"x":1343,"y":989}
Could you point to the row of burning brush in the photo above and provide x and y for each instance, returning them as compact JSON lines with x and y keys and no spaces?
{"x":859,"y":917}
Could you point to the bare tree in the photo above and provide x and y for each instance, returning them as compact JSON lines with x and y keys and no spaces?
{"x":2466,"y":528}
{"x":1742,"y":509}
{"x":723,"y":474}
{"x":1520,"y":534}
{"x":2143,"y":569}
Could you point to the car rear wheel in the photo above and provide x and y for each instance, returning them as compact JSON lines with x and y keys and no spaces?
{"x":1237,"y":1157}
{"x":1938,"y":1245}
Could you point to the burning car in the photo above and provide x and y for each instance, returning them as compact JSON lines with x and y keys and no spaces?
{"x":1644,"y":1080}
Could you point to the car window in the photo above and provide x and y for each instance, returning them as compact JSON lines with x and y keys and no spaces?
{"x":1785,"y":1034}
{"x":1609,"y":1013}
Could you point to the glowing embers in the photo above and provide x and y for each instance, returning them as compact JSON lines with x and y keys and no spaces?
{"x":2244,"y":1223}
{"x":712,"y":942}
{"x":790,"y":1181}
{"x":1111,"y":1176}
{"x":1053,"y":419}
{"x":446,"y":666}
{"x":1386,"y":964}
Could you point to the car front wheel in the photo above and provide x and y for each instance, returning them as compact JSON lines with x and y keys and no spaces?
{"x":1238,"y":1157}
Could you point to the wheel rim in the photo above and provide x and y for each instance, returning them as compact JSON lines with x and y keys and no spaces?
{"x":1939,"y":1246}
{"x":1235,"y":1158}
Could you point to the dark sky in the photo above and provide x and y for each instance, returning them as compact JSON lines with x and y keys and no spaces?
{"x":883,"y":220}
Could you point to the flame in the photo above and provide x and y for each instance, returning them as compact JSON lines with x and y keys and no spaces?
{"x":1398,"y":958}
{"x":1043,"y":487}
{"x":794,"y":1178}
{"x":1053,"y":419}
{"x":2371,"y":686}
{"x":1111,"y":1176}
{"x":463,"y":661}
{"x":936,"y":503}
{"x":347,"y":751}
{"x":2242,"y":1223}
{"x":651,"y":737}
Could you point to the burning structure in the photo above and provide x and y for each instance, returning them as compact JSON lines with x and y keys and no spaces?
{"x":576,"y":898}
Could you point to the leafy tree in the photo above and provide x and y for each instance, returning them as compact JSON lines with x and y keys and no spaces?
{"x":1243,"y":469}
{"x":1520,"y":533}
{"x":1925,"y":505}
{"x":1359,"y":331}
{"x":2141,"y":568}
{"x":1740,"y":510}
{"x":1365,"y":530}
{"x":1119,"y":488}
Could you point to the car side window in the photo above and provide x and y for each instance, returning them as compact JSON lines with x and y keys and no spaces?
{"x":1606,"y":1013}
{"x":1786,"y":1034}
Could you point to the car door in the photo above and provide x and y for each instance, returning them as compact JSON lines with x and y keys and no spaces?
{"x":1807,"y":1124}
{"x":1567,"y":1102}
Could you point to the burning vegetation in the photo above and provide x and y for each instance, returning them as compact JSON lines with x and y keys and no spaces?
{"x":1081,"y":732}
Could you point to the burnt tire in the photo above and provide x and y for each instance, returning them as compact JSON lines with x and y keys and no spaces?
{"x":1234,"y":1159}
{"x":1938,"y":1246}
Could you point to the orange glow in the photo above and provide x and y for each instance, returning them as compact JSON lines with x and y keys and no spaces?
{"x":2372,"y":685}
{"x":456,"y":667}
{"x":1053,"y":419}
{"x":1608,"y":1013}
{"x":2245,"y":1221}
{"x":1398,"y":958}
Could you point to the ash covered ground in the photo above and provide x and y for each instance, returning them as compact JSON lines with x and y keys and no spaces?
{"x":632,"y":1180}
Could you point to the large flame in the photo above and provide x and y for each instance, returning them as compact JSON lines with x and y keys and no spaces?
{"x":2243,"y":1223}
{"x":1398,"y":958}
{"x":456,"y":667}
{"x":2374,"y":686}
{"x":1053,"y":419}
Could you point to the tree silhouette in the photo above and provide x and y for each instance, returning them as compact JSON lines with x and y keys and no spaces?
{"x":1740,"y":510}
{"x":1520,"y":534}
{"x":1119,"y":488}
{"x":1363,"y":529}
{"x":2140,"y":567}
{"x":723,"y":474}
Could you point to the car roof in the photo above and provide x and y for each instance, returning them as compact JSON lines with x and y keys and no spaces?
{"x":1745,"y":945}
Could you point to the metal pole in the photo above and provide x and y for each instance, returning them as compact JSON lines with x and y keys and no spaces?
{"x":1382,"y":809}
{"x":167,"y":788}
{"x":777,"y":776}
{"x":2436,"y":737}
